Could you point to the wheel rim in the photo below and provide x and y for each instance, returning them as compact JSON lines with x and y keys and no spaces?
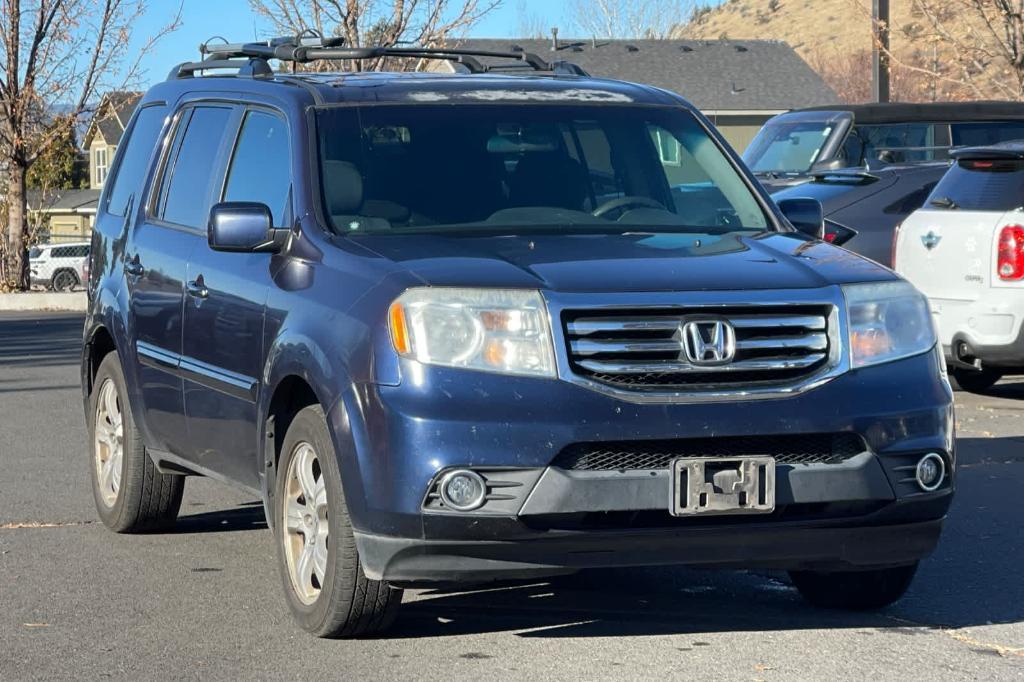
{"x":63,"y":282}
{"x":305,"y":523}
{"x":108,"y":443}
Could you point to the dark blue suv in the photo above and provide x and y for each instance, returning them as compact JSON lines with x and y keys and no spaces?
{"x":501,"y":321}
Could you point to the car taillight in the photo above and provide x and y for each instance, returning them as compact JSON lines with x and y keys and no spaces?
{"x":895,"y":238}
{"x":1010,"y":265}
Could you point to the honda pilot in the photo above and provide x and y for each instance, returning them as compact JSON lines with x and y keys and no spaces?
{"x":510,"y":321}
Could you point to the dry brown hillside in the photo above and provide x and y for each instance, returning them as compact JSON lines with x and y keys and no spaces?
{"x":834,"y":37}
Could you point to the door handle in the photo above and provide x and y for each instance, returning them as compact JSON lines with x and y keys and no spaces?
{"x":133,"y":267}
{"x":197,"y":288}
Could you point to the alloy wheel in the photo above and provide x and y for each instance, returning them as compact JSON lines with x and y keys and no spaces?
{"x":108,"y":442}
{"x":305,"y":529}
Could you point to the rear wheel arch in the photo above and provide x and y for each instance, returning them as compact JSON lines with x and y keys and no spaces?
{"x":100,"y":344}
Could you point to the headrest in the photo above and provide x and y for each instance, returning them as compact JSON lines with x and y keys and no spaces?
{"x":343,"y":187}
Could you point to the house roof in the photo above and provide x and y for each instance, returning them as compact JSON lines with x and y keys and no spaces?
{"x":714,"y":75}
{"x":64,"y":201}
{"x":112,"y":116}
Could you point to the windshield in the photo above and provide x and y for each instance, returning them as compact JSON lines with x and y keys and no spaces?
{"x":787,"y":146}
{"x":496,"y":168}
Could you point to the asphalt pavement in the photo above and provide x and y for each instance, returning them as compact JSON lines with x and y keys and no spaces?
{"x":205,"y":601}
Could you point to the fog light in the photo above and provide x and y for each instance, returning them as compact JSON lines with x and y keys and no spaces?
{"x":463,"y":490}
{"x":931,"y":469}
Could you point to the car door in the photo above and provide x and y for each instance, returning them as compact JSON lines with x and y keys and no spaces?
{"x":156,"y":263}
{"x":224,"y":309}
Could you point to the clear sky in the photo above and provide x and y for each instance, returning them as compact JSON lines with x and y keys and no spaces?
{"x":202,"y":19}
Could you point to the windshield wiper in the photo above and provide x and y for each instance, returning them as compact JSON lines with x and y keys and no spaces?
{"x":944,"y":202}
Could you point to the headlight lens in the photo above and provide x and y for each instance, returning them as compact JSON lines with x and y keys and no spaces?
{"x":888,"y":321}
{"x":496,"y":330}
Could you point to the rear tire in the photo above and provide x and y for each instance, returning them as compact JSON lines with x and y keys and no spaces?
{"x":131,"y":494}
{"x":324,"y":583}
{"x":854,"y":590}
{"x":973,"y":381}
{"x":63,"y":280}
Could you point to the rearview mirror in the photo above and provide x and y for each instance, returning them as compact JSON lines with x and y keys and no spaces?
{"x":805,"y":215}
{"x":245,"y":227}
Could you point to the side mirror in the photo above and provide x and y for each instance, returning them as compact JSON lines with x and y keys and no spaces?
{"x":826,"y":166}
{"x":244,"y":227}
{"x":805,"y":215}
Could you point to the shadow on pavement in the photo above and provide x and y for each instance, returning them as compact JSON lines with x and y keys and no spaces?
{"x":41,"y":340}
{"x":248,"y":516}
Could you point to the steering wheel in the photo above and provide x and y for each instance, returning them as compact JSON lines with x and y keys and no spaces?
{"x":623,"y":202}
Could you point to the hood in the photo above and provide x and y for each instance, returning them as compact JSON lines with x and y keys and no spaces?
{"x":624,"y":263}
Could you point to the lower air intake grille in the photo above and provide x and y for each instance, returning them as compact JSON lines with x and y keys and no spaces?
{"x":826,"y":448}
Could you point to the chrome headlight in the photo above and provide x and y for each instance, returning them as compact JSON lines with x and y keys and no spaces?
{"x":888,"y":321}
{"x":495,"y":330}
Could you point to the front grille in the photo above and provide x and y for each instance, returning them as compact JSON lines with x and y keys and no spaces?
{"x":824,"y":448}
{"x":644,"y":349}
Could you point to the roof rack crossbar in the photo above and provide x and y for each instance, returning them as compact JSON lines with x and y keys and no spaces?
{"x":308,"y":48}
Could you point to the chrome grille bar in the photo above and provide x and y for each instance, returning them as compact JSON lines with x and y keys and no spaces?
{"x":774,"y":321}
{"x":675,"y":366}
{"x":594,"y":346}
{"x":584,"y":326}
{"x":810,"y":341}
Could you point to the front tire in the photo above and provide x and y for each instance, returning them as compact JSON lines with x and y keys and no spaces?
{"x":854,"y":590}
{"x":973,"y":381}
{"x":131,"y":494}
{"x":324,"y":583}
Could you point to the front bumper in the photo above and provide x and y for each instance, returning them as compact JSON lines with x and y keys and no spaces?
{"x":822,"y":546}
{"x":862,"y":512}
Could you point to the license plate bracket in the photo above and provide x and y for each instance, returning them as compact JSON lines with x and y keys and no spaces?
{"x":722,"y":485}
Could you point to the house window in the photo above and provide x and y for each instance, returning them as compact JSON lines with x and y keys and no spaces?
{"x":100,"y":166}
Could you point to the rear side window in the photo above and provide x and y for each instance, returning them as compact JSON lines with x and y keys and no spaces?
{"x":261,"y":165}
{"x":186,"y":201}
{"x":892,"y":143}
{"x":982,"y":134}
{"x":70,"y":251}
{"x":981,"y":185}
{"x":131,"y":169}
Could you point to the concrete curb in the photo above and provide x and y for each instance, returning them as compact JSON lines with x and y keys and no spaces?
{"x":74,"y":301}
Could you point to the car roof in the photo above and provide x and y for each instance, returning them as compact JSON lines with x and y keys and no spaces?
{"x":433,"y":88}
{"x":50,"y":245}
{"x":900,"y":112}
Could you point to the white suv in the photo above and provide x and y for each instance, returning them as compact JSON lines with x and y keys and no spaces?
{"x":965,"y":250}
{"x":58,"y":266}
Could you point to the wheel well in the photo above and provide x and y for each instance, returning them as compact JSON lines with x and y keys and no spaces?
{"x":100,"y":345}
{"x":290,"y":396}
{"x":64,"y":269}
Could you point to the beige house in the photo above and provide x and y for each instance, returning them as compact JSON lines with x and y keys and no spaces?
{"x":68,"y":214}
{"x":105,"y":131}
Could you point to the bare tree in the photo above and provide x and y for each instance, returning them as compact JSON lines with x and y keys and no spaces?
{"x":848,"y":72}
{"x":979,"y":46}
{"x":56,"y":51}
{"x":384,"y":23}
{"x":630,"y":18}
{"x":529,"y":24}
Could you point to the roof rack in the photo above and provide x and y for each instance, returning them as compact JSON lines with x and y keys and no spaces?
{"x":251,"y":59}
